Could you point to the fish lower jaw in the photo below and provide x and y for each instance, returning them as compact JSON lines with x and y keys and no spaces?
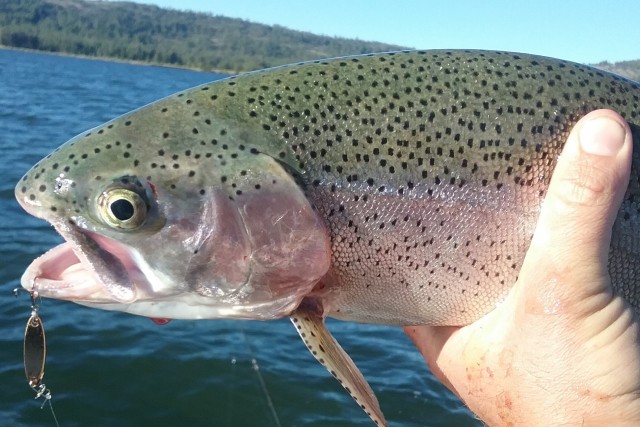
{"x":191,"y":306}
{"x":58,"y":273}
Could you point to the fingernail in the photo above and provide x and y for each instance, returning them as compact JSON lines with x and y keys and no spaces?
{"x":602,"y":136}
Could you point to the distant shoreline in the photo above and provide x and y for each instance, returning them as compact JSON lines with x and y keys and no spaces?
{"x":149,"y":35}
{"x":113,"y":59}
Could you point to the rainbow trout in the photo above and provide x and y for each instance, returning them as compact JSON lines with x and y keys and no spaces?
{"x":398,"y":188}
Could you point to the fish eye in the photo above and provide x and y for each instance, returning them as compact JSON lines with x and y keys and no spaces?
{"x":122,"y":208}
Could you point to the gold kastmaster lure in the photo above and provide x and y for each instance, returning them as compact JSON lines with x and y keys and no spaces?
{"x":35,"y":350}
{"x":35,"y":353}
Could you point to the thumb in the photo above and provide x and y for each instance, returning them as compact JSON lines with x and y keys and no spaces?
{"x":571,"y":243}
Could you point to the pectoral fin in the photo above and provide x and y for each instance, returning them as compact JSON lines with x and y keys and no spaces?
{"x":309,"y":321}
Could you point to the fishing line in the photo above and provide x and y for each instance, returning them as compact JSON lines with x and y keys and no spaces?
{"x":43,"y":391}
{"x":263,"y":384}
{"x":231,"y":390}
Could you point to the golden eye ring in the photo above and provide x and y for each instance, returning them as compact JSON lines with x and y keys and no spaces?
{"x":122,"y":208}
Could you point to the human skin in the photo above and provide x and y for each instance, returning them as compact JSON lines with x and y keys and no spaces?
{"x":562,"y":349}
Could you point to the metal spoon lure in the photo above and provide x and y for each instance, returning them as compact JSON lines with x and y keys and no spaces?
{"x":35,"y":352}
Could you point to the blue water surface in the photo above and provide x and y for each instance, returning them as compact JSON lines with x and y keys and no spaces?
{"x":113,"y":369}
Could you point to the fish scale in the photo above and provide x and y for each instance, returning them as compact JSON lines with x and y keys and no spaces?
{"x":399,"y":188}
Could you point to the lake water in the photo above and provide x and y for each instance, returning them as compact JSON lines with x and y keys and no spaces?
{"x":113,"y":369}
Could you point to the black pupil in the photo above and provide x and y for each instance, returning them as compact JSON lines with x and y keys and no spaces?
{"x":122,"y":209}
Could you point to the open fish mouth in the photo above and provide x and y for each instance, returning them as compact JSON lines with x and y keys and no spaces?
{"x":87,"y":267}
{"x":58,"y":273}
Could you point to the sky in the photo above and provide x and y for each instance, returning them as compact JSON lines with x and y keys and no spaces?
{"x":586,"y":31}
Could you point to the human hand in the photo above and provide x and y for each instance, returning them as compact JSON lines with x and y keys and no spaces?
{"x":562,"y":349}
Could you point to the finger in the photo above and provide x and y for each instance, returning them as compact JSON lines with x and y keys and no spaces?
{"x":572,"y":237}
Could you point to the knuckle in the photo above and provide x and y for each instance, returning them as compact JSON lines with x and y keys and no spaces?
{"x":586,"y":186}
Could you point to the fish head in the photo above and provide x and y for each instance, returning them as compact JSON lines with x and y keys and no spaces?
{"x":170,"y":212}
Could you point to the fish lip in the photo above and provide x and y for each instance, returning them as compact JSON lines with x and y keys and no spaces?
{"x":80,"y":269}
{"x":43,"y":274}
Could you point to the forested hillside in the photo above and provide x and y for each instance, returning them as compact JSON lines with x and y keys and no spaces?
{"x":136,"y":32}
{"x":629,"y":69}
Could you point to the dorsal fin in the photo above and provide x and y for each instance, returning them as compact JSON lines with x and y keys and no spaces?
{"x":309,"y":321}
